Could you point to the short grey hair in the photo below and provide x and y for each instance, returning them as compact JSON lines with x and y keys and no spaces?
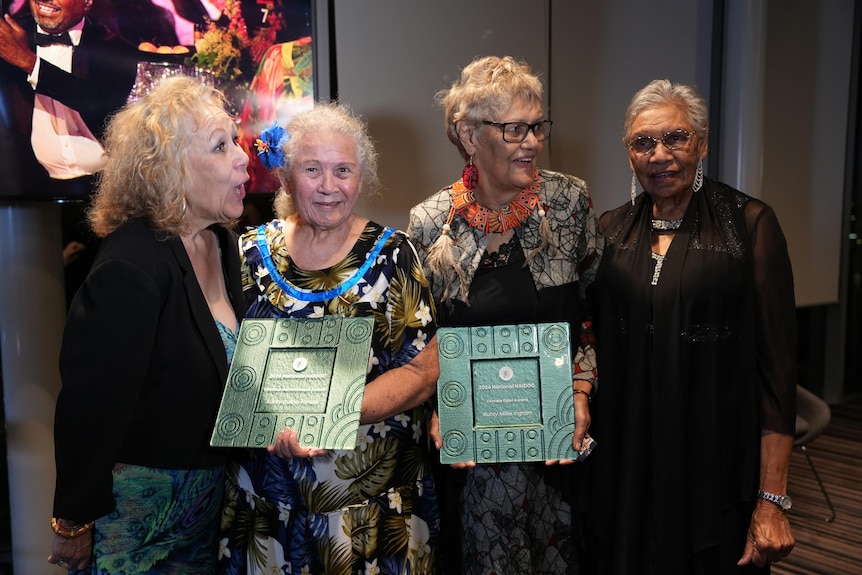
{"x":327,"y":117}
{"x":661,"y":92}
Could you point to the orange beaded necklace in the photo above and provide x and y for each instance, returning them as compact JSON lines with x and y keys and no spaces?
{"x":496,"y":221}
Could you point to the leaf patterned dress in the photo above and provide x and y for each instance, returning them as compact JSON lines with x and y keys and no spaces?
{"x":367,"y":511}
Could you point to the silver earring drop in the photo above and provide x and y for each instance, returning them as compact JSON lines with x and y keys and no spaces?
{"x":698,"y":177}
{"x":634,"y":187}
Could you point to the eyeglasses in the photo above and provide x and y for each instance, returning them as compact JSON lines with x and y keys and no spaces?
{"x":673,"y":140}
{"x":516,"y":132}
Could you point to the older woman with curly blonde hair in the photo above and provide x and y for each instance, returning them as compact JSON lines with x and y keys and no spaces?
{"x":148,"y":341}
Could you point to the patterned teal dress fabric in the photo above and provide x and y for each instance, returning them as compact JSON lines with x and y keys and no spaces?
{"x":367,"y":511}
{"x":166,"y":520}
{"x":174,"y":512}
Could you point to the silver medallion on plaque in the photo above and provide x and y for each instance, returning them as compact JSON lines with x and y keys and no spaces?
{"x":306,"y":374}
{"x":505,"y":393}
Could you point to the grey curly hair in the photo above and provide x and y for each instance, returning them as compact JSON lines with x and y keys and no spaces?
{"x":326,"y":117}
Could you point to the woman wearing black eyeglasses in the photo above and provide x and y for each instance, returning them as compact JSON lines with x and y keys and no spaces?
{"x":510,"y":243}
{"x":695,"y":326}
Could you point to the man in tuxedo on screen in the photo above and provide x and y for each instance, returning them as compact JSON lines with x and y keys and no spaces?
{"x":68,"y":74}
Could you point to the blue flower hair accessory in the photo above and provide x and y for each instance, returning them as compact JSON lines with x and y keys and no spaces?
{"x":269,"y":146}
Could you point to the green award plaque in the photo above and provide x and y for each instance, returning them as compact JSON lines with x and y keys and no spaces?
{"x":307,"y":374}
{"x":505,"y":393}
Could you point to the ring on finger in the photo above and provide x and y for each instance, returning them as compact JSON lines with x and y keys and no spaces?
{"x":63,"y":563}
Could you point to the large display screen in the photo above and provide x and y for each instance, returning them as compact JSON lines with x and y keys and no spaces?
{"x":261,"y":53}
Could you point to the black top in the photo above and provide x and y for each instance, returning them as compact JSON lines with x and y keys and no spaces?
{"x":502,"y":292}
{"x":142,"y":367}
{"x":691,"y":370}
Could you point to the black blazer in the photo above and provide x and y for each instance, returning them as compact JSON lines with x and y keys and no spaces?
{"x":142,"y":367}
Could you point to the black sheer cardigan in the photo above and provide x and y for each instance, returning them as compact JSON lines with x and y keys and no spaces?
{"x":692,"y":370}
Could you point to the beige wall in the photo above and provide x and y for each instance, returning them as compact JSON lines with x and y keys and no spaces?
{"x":393,"y":55}
{"x":601,"y":54}
{"x":808,"y":58}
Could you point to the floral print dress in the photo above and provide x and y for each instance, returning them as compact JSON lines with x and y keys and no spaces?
{"x":367,"y":511}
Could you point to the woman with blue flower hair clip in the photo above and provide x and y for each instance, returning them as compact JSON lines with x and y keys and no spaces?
{"x":269,"y":146}
{"x":371,"y":509}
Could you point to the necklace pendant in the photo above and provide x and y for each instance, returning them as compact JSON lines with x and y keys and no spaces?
{"x":666,"y":225}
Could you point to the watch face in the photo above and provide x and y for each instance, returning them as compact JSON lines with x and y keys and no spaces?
{"x":783,"y":501}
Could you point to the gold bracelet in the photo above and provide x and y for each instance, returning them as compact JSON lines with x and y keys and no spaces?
{"x":70,"y":532}
{"x":589,"y":397}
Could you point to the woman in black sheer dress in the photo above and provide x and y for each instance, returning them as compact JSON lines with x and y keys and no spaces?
{"x":696,"y":340}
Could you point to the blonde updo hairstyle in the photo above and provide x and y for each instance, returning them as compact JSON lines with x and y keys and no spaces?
{"x":325,"y":118}
{"x":147,"y":174}
{"x":486,"y":89}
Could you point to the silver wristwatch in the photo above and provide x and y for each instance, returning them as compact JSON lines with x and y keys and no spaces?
{"x":783,"y":501}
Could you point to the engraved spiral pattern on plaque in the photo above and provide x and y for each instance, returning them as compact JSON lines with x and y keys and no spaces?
{"x":358,"y":332}
{"x":243,"y":379}
{"x":450,"y":345}
{"x":554,"y":338}
{"x":230,"y":425}
{"x":453,"y":394}
{"x":454,"y":443}
{"x":253,"y":334}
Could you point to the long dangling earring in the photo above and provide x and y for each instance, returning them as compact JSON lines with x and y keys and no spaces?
{"x":470,"y":175}
{"x":634,"y":187}
{"x":698,"y":177}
